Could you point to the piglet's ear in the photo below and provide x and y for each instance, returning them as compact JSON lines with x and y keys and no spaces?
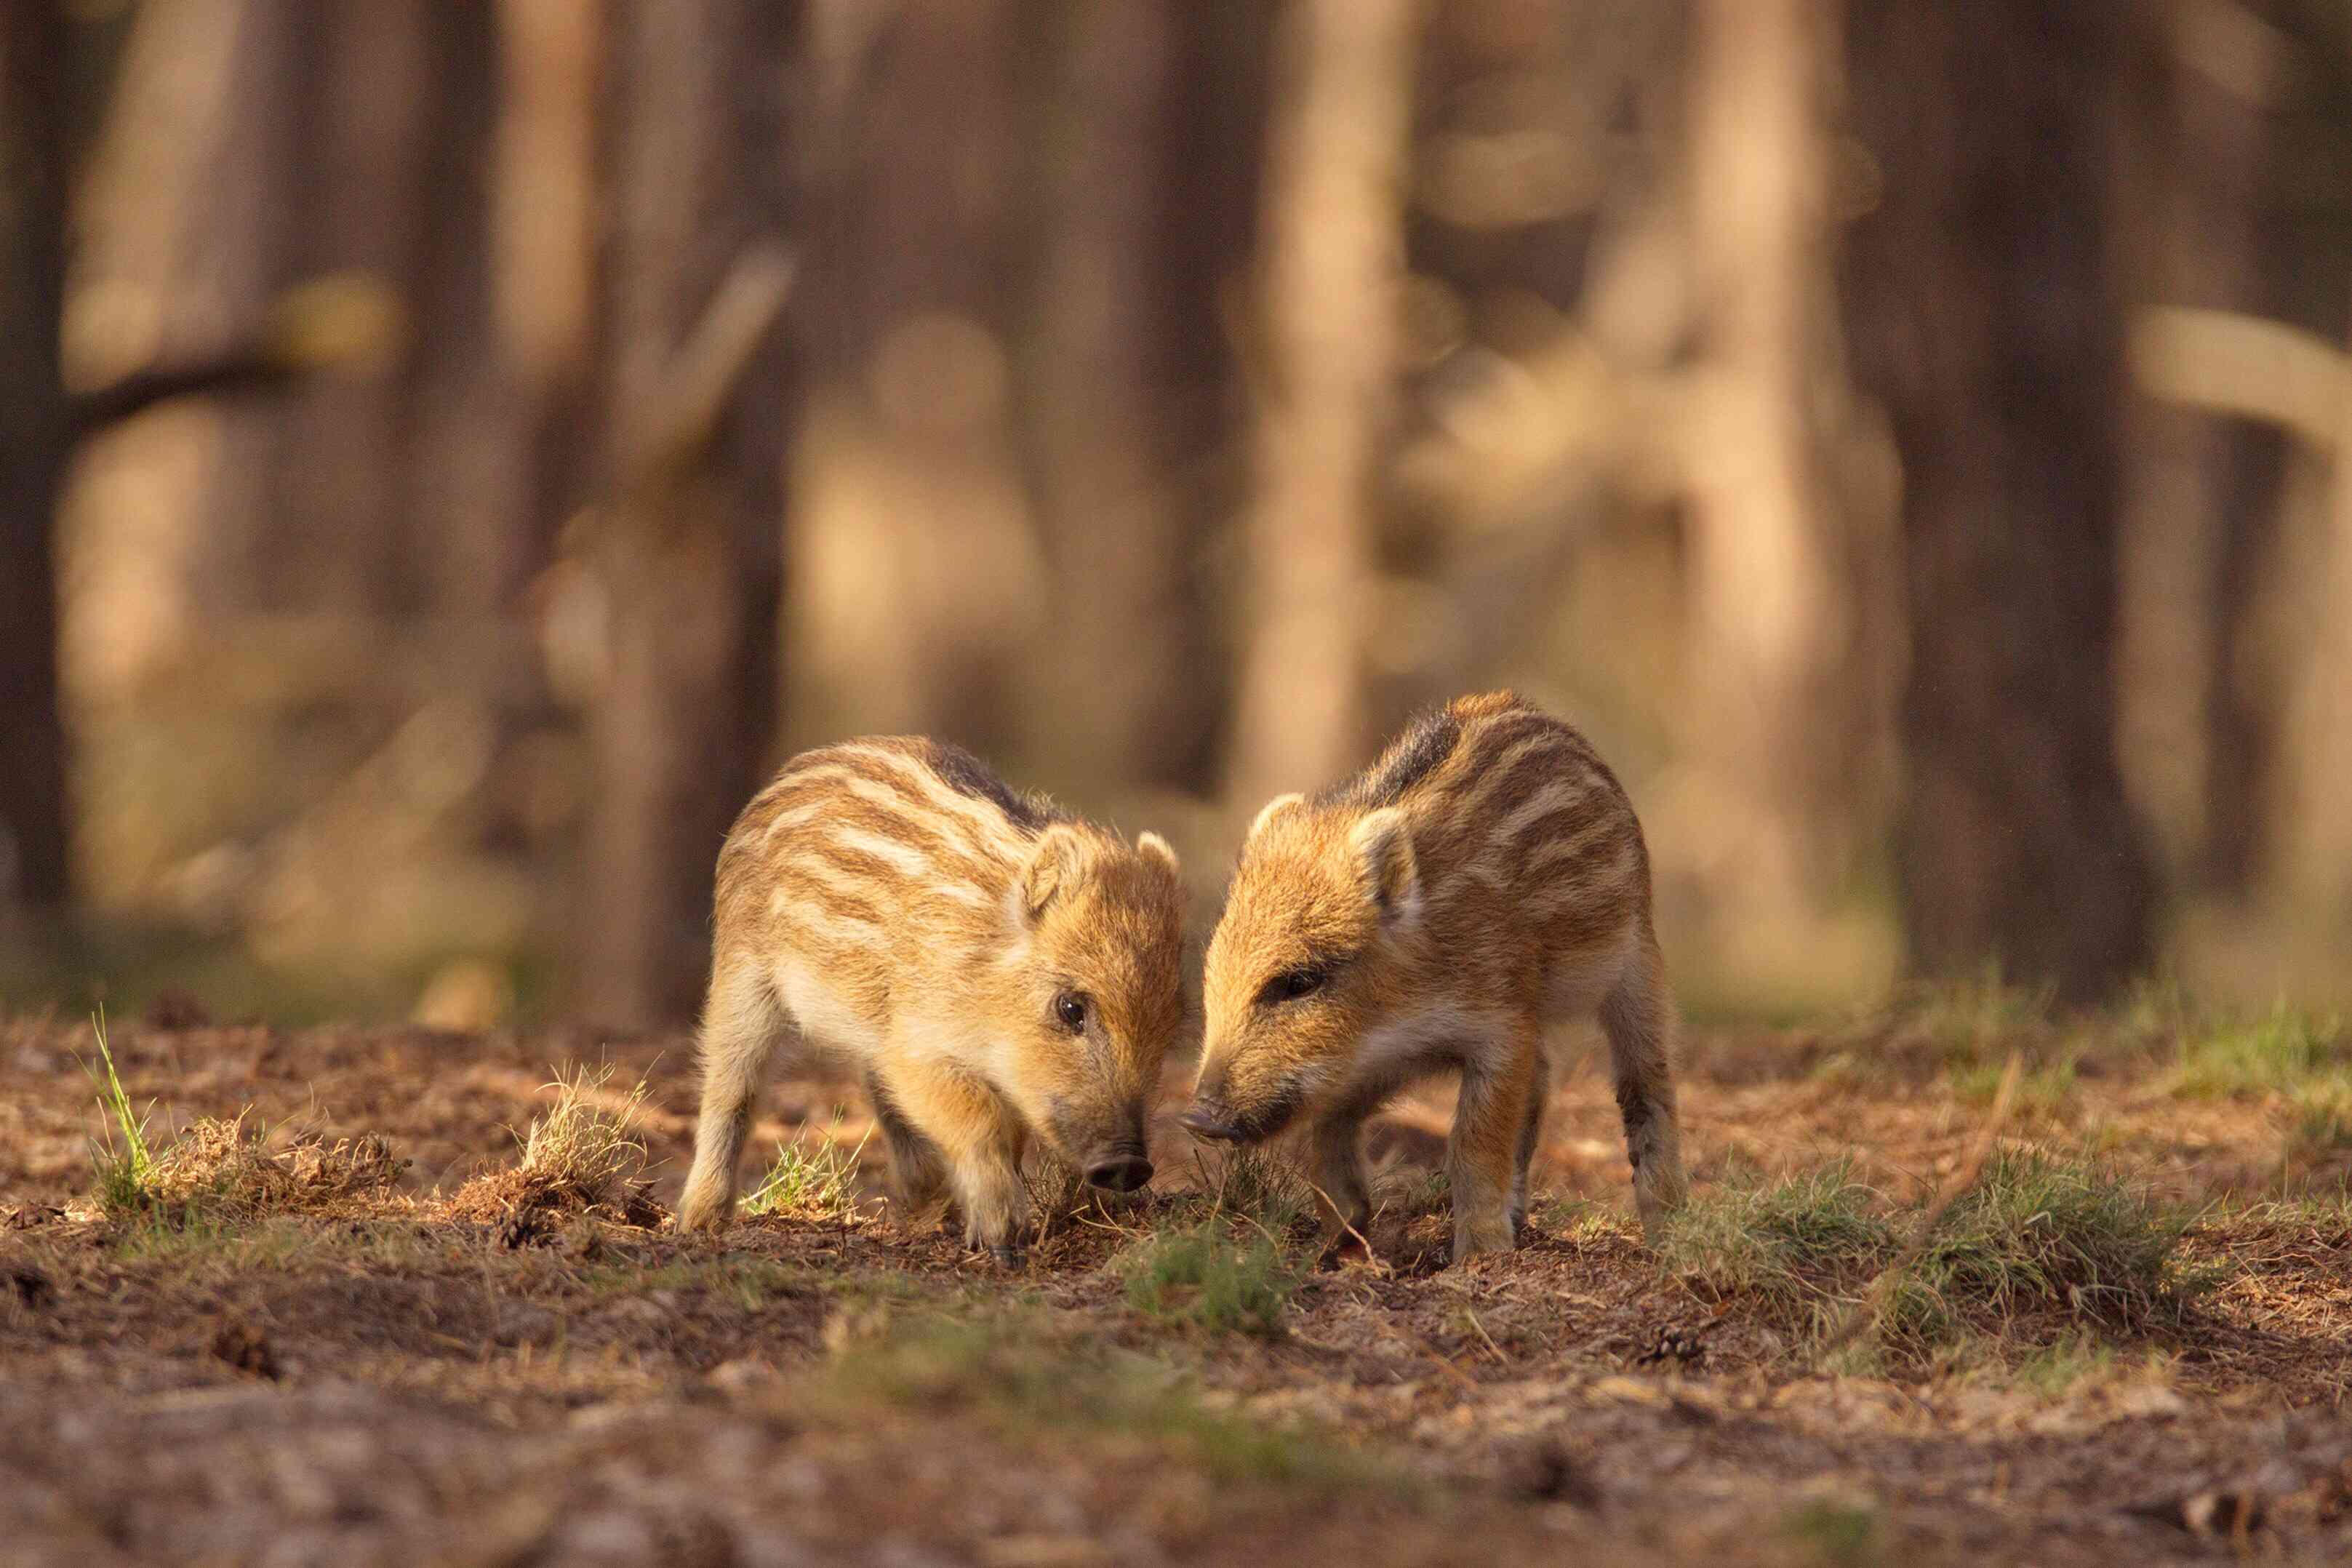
{"x":1382,"y":843}
{"x":1271,"y":810}
{"x":1054,"y":866}
{"x":1153,"y":848}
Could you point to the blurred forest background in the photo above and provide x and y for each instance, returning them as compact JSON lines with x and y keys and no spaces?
{"x":449,"y":452}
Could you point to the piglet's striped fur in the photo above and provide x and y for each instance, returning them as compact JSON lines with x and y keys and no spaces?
{"x":1001,"y":969}
{"x":1484,"y":879}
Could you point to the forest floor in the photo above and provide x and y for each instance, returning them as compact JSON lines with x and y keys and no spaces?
{"x":280,"y":1343}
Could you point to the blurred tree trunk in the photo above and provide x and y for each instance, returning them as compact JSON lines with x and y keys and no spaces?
{"x":1987,"y":314}
{"x":1211,"y":163}
{"x":1100,"y":356}
{"x":2206,"y":488}
{"x":1767,"y":713}
{"x":359,"y":142}
{"x":464,"y":546}
{"x":366,"y":96}
{"x":2241,"y":714}
{"x":919,"y":560}
{"x":35,"y":442}
{"x":543,"y":243}
{"x":689,"y":555}
{"x":239,"y":243}
{"x":1333,"y":263}
{"x":2330,"y":715}
{"x":2314,"y":863}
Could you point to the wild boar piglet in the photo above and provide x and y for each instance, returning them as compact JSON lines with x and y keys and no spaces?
{"x":998,"y":969}
{"x":1484,"y":879}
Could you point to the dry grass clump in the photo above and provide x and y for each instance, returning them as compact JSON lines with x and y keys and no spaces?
{"x":582,"y":1155}
{"x":346,"y":1168}
{"x":222,"y":1167}
{"x":219,"y":1166}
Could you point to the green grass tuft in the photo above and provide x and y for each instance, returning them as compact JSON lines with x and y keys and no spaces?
{"x":1976,"y":1020}
{"x":2077,"y":1358}
{"x":125,"y":1173}
{"x":805,"y":1184}
{"x":2040,"y":1091}
{"x":2277,"y":1054}
{"x":2318,"y":1134}
{"x":1843,"y":1534}
{"x":1203,"y":1275}
{"x":2037,"y":1236}
{"x":2046,"y":1245}
{"x":2323,"y":1122}
{"x":2074,"y":1360}
{"x":1799,"y":1248}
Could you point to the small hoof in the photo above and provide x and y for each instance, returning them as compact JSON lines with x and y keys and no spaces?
{"x":1008,"y":1255}
{"x":1470,"y":1250}
{"x":1209,"y":1129}
{"x":1347,"y":1246}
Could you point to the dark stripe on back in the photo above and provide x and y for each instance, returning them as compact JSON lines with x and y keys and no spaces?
{"x":1590,"y":826}
{"x":1550,"y":760}
{"x":910,"y":829}
{"x":1419,"y":752}
{"x":814,"y":913}
{"x":1506,"y":730}
{"x":856,"y":861}
{"x":968,"y":776}
{"x":799,"y":776}
{"x":796,"y":789}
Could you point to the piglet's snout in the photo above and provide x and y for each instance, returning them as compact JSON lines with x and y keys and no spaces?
{"x":1120,"y":1173}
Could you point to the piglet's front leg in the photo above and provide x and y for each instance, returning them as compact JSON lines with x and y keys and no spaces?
{"x":1336,"y":1166}
{"x":980,"y":1140}
{"x":995,"y":1204}
{"x":1482,"y":1160}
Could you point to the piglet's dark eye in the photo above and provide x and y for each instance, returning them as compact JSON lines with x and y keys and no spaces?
{"x":1293,"y":983}
{"x":1070,"y":1007}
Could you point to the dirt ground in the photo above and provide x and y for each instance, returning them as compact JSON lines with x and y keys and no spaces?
{"x":385,"y":1381}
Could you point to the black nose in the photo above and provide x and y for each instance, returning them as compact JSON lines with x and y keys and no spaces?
{"x":1120,"y":1173}
{"x":1201,"y":1123}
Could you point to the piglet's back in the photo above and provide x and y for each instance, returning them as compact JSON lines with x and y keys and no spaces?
{"x":877,"y":858}
{"x":1517,"y":824}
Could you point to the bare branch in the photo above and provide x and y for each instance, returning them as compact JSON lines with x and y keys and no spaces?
{"x":341,"y":321}
{"x":707,"y":367}
{"x":2243,"y":365}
